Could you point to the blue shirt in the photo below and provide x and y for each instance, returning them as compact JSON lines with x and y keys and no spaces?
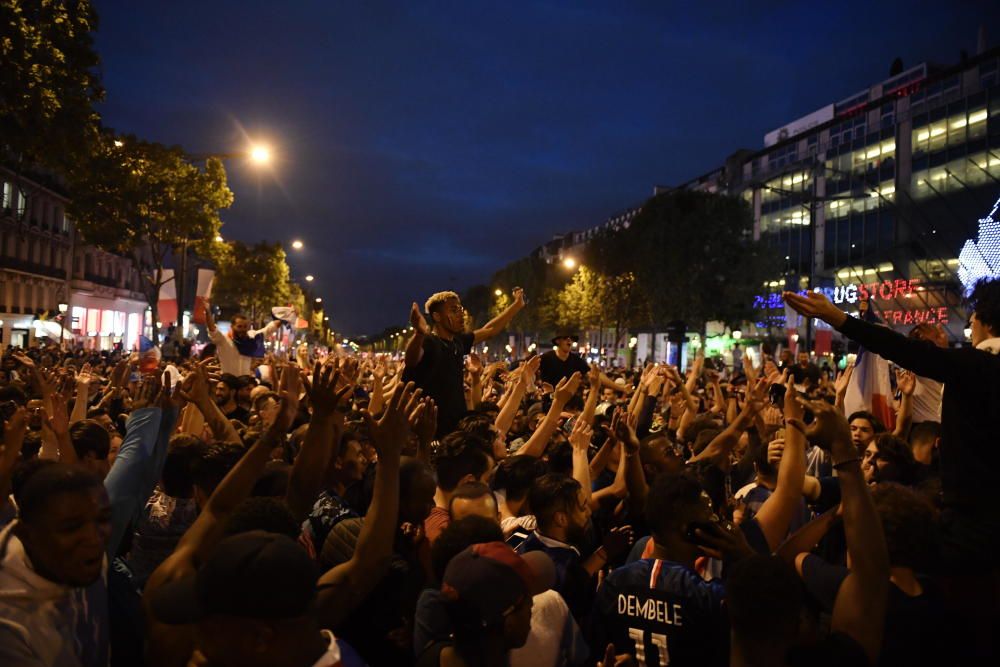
{"x":662,"y":613}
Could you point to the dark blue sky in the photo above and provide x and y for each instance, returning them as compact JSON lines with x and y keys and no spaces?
{"x":422,"y":145}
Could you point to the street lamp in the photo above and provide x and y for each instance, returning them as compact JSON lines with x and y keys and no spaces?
{"x":218,"y":238}
{"x":569,"y":263}
{"x":319,"y":300}
{"x":309,"y":278}
{"x":63,"y":307}
{"x":260,"y":154}
{"x":498,"y":292}
{"x":297,"y":244}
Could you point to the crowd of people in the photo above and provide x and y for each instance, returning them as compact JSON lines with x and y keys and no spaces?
{"x":241,"y":508}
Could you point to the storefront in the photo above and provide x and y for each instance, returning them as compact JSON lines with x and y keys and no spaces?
{"x":103,"y":323}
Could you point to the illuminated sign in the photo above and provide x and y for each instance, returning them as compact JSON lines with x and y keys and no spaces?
{"x":771,"y":307}
{"x":799,"y":126}
{"x":980,"y":258}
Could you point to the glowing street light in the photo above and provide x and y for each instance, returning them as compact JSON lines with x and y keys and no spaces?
{"x":297,"y":244}
{"x":218,"y":238}
{"x":260,"y":154}
{"x":309,"y":278}
{"x":569,"y":263}
{"x":319,"y":300}
{"x":498,"y":292}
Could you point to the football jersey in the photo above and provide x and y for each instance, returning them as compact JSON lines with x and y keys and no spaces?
{"x":663,"y":613}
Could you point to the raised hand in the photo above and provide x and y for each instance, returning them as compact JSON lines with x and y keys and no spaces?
{"x":567,"y":388}
{"x":906,"y":381}
{"x":58,"y":420}
{"x":843,"y":380}
{"x":289,"y":387}
{"x":829,"y":429}
{"x":518,"y":295}
{"x":324,"y":396}
{"x":390,"y":433}
{"x":474,"y":364}
{"x":14,"y":429}
{"x":617,"y":541}
{"x":581,"y":435}
{"x":417,"y":321}
{"x":815,"y":304}
{"x":624,"y":429}
{"x":148,"y":393}
{"x":194,"y":386}
{"x":424,"y":422}
{"x":594,"y":377}
{"x":792,"y":407}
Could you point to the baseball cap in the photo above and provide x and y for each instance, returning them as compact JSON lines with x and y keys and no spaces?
{"x":490,"y":578}
{"x":256,"y":574}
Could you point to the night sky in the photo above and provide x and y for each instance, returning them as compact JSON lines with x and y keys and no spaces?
{"x":423,"y":145}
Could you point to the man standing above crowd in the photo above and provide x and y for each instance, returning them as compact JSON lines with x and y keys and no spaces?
{"x":561,"y":362}
{"x":435,"y":354}
{"x":238,"y":350}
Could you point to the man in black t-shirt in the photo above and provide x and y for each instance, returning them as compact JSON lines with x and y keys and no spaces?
{"x":561,"y":362}
{"x":435,"y":354}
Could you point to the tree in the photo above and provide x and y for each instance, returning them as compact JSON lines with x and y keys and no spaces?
{"x":146,"y":201}
{"x":693,"y":256}
{"x":48,"y":86}
{"x":253,"y":279}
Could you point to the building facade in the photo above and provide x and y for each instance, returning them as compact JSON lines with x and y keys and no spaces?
{"x":44,"y":264}
{"x":877,"y":196}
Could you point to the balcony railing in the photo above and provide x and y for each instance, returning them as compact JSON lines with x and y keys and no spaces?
{"x":16,"y":264}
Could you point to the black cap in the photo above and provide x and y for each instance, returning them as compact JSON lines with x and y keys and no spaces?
{"x":256,"y":575}
{"x":565,"y":334}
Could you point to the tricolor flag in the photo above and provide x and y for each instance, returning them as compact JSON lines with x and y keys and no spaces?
{"x":149,"y":356}
{"x":166,"y":306}
{"x":871,"y":388}
{"x":204,"y":292}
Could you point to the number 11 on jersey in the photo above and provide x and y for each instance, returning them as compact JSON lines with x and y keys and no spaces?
{"x":659,"y":641}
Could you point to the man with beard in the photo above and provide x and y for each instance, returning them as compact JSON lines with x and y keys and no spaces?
{"x":435,"y":354}
{"x":237,"y":351}
{"x":562,"y":509}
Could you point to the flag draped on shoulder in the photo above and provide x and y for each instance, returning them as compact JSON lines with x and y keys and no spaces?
{"x":870,"y":388}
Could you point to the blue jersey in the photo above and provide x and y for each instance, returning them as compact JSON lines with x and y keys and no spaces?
{"x":663,"y":613}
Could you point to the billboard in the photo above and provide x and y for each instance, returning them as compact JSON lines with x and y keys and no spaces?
{"x":817,"y":117}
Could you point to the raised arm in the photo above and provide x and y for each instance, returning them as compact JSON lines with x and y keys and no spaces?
{"x":195,"y":390}
{"x":775,"y":515}
{"x":860,"y":607}
{"x":540,"y":438}
{"x":514,"y":395}
{"x":580,"y":440}
{"x":906,"y":381}
{"x":722,"y":444}
{"x":920,"y":356}
{"x":590,"y":406}
{"x":500,"y":322}
{"x":415,"y":346}
{"x":344,"y":587}
{"x":327,"y":396}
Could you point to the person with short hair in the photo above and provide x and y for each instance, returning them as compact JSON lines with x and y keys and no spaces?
{"x":53,"y":571}
{"x":435,"y":354}
{"x":238,"y":350}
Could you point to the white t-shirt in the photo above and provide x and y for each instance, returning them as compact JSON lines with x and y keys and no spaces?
{"x":926,"y":402}
{"x":554,"y":640}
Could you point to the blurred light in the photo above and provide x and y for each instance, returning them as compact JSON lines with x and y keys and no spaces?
{"x":260,"y":154}
{"x":508,"y":348}
{"x":498,"y":292}
{"x":326,"y":319}
{"x":218,"y":238}
{"x":737,"y":334}
{"x":569,"y":263}
{"x":309,"y":279}
{"x":531,"y":348}
{"x":795,"y":338}
{"x":119,"y":143}
{"x":297,"y":244}
{"x":63,"y":307}
{"x":968,"y":333}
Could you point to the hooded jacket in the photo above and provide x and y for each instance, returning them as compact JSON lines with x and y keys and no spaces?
{"x":46,"y":623}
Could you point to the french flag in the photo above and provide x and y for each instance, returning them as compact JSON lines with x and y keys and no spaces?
{"x":871,"y":388}
{"x":204,"y":292}
{"x":149,"y":356}
{"x":166,"y":305}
